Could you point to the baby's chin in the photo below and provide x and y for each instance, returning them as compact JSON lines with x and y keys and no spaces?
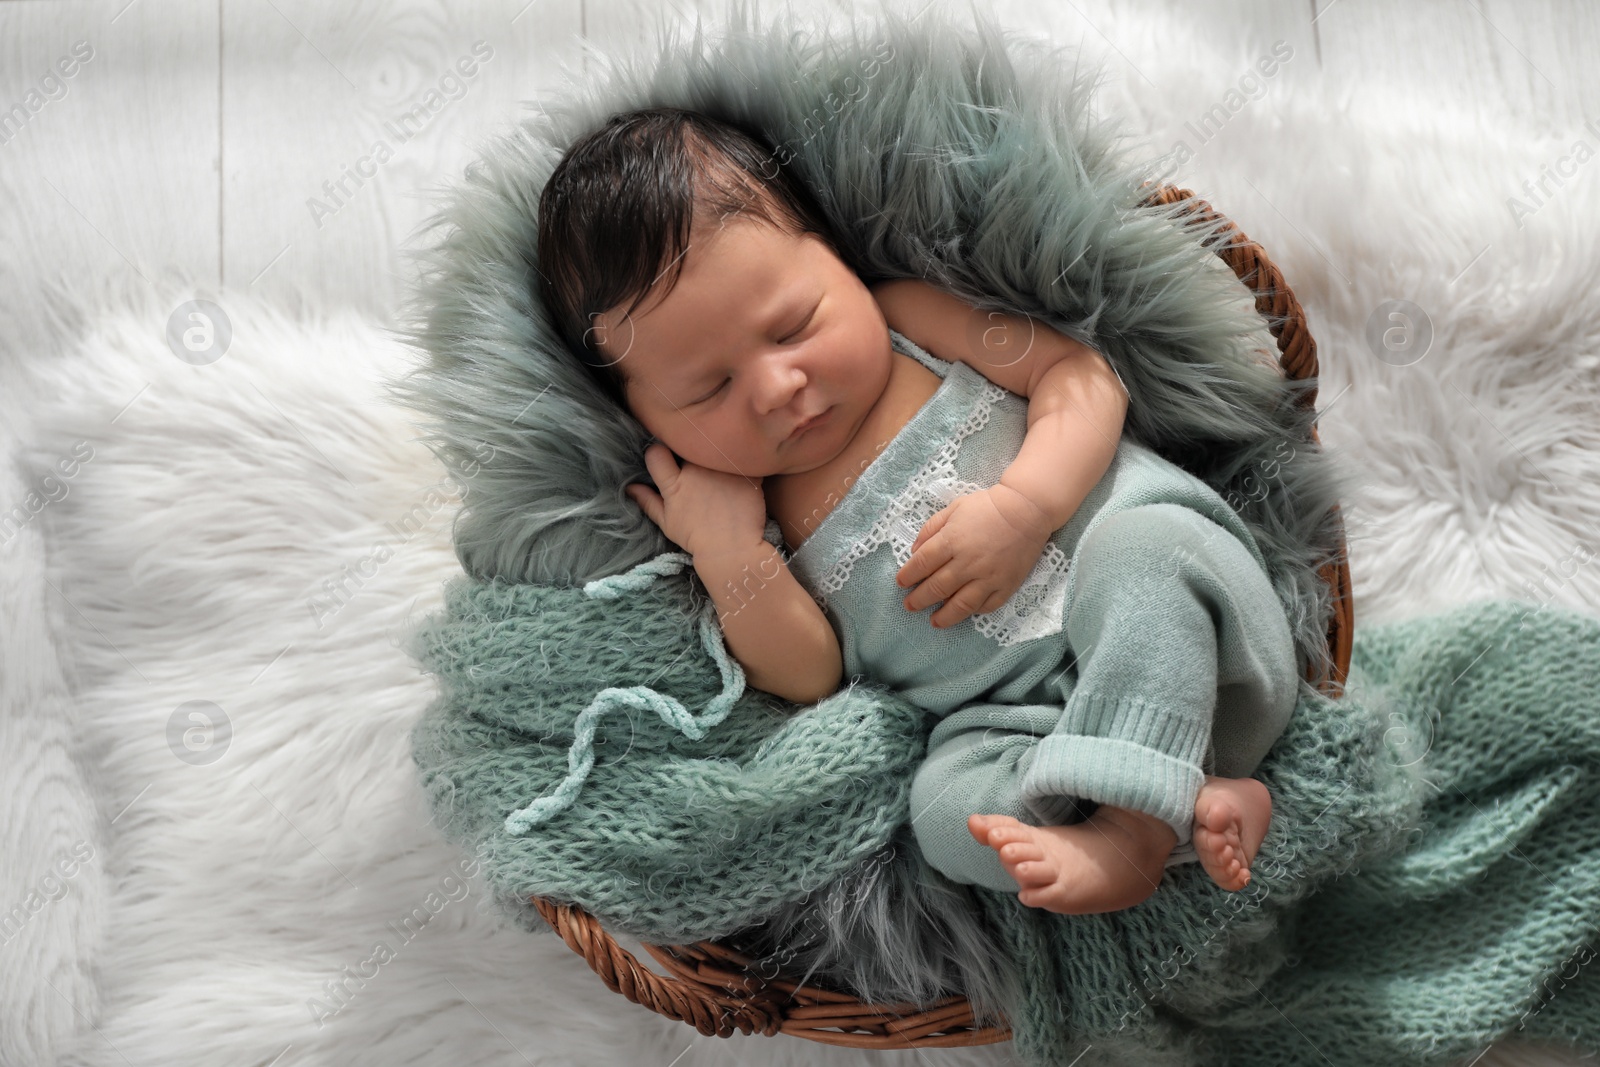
{"x":805,"y":460}
{"x":800,"y":457}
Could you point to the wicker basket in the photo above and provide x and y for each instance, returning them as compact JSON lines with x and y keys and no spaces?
{"x":714,"y":988}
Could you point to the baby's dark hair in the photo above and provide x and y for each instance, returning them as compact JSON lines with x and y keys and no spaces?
{"x":618,"y":211}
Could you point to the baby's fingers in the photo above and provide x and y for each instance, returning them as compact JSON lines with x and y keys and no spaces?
{"x":659,"y":461}
{"x":966,"y":601}
{"x":931,"y":527}
{"x":943,"y":585}
{"x":935,"y":577}
{"x":649,"y":501}
{"x":918,"y":567}
{"x":926,"y":559}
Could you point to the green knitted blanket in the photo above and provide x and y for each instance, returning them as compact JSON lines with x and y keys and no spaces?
{"x":1431,"y":880}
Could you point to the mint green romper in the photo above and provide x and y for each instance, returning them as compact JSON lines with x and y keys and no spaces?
{"x":1144,"y":650}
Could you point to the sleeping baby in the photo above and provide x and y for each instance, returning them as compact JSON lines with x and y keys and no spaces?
{"x":882,"y":482}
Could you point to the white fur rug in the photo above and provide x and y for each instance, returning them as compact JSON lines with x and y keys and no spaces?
{"x":242,"y":540}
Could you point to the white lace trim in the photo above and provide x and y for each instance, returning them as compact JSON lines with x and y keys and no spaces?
{"x":1033,"y":611}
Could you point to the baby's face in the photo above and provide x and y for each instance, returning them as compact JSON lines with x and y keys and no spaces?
{"x":762,"y":332}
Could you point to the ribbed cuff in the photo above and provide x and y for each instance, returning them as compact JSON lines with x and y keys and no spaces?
{"x":1131,"y":755}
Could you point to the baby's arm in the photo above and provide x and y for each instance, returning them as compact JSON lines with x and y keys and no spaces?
{"x":769,"y":622}
{"x":1075,"y":413}
{"x":976,"y":553}
{"x":1076,"y":401}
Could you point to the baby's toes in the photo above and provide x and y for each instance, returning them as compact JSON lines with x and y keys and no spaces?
{"x":1217,"y":813}
{"x":1026,"y":861}
{"x":983,"y":827}
{"x":1031,"y":874}
{"x":1015,"y":852}
{"x":1010,"y":833}
{"x":1224,"y":841}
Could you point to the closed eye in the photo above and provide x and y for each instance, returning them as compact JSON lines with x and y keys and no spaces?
{"x":801,"y":329}
{"x":711,"y":394}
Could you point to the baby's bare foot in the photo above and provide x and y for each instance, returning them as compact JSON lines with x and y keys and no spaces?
{"x":1231,"y":816}
{"x":1082,"y":869}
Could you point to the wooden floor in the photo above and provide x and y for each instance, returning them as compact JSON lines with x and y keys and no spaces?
{"x":283,"y":146}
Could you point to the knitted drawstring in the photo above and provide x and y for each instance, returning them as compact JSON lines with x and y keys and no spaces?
{"x":580,"y":757}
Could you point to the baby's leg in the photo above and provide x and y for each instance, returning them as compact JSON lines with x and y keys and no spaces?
{"x":1112,"y":861}
{"x":1167,"y":612}
{"x":1231,"y":816}
{"x":976,"y":757}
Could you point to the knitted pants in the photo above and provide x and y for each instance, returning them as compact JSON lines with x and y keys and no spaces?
{"x":1181,"y":664}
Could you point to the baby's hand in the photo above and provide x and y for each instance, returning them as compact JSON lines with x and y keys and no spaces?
{"x":974,"y":554}
{"x":700,"y":509}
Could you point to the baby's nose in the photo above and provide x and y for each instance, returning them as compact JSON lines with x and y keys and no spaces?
{"x":783,"y":386}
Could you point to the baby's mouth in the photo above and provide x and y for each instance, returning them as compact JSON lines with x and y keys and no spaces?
{"x":809,"y":423}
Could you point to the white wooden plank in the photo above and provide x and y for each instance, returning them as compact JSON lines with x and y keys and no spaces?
{"x":1545,"y":54}
{"x":338,"y":120}
{"x":107,"y":175}
{"x":634,"y":24}
{"x":1534,"y":62}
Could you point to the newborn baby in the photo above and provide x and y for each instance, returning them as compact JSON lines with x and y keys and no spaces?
{"x":1100,"y":630}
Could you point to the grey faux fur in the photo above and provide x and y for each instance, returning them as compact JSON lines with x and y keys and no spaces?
{"x":950,"y":151}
